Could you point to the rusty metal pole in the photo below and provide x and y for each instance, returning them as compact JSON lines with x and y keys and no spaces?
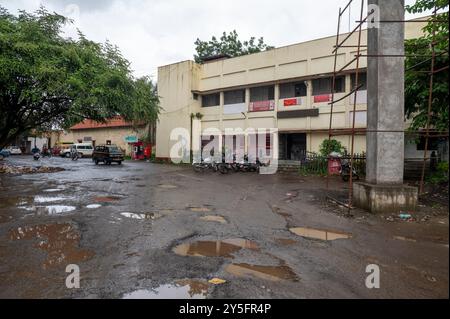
{"x":350,"y":191}
{"x":330,"y":132}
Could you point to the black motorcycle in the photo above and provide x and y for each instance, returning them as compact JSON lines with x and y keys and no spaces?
{"x":346,"y":169}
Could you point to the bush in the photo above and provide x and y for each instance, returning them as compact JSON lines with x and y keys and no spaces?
{"x":330,"y":146}
{"x":440,"y":175}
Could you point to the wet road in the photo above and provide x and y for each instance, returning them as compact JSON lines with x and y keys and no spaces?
{"x":157,"y":231}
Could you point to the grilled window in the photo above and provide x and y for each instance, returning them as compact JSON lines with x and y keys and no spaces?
{"x":211,"y":100}
{"x":323,"y":86}
{"x":288,"y":90}
{"x":262,"y":93}
{"x":234,"y":97}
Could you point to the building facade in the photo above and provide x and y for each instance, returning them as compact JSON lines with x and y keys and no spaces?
{"x":114,"y":131}
{"x":286,"y":89}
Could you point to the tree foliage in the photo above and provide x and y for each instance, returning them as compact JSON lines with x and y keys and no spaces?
{"x":331,"y":146}
{"x":49,"y":81}
{"x":417,"y":77}
{"x":228,"y":44}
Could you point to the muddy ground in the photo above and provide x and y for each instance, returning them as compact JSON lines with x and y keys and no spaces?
{"x":144,"y":230}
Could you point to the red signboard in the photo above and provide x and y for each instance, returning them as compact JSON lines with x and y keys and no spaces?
{"x":261,"y":106}
{"x":322,"y":98}
{"x":292,"y":102}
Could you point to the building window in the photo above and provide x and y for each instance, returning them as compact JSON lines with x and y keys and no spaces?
{"x":195,"y":96}
{"x":234,"y":97}
{"x":289,"y":90}
{"x":362,"y":80}
{"x":262,"y":93}
{"x":211,"y":100}
{"x":323,"y":86}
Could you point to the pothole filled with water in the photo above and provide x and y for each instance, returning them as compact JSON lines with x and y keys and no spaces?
{"x":150,"y":216}
{"x":271,"y":273}
{"x":48,"y":199}
{"x":93,"y":206}
{"x":183,"y":289}
{"x":320,"y":234}
{"x":215,"y":218}
{"x":223,"y":248}
{"x":200,"y":209}
{"x":59,"y":241}
{"x":167,"y":186}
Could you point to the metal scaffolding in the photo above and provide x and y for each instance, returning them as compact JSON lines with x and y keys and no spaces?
{"x":336,"y":72}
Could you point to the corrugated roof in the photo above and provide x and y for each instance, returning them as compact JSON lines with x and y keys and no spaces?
{"x":90,"y":124}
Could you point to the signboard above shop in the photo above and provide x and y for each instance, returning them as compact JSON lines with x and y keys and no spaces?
{"x":131,"y":139}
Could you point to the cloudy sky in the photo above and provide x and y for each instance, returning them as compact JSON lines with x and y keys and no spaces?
{"x":151,"y":33}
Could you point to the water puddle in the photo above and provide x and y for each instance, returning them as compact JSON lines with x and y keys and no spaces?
{"x":107,"y":199}
{"x":199,"y":209}
{"x":319,"y":234}
{"x":405,"y":239}
{"x":14,"y":201}
{"x":183,"y":289}
{"x":167,"y":186}
{"x":93,"y":206}
{"x":151,"y":216}
{"x":217,"y":219}
{"x":224,"y":248}
{"x":52,"y":190}
{"x":272,"y":273}
{"x":45,"y":199}
{"x":59,"y":209}
{"x":285,"y":241}
{"x":60,"y":241}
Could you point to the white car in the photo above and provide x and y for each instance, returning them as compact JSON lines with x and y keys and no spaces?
{"x":84,"y":149}
{"x":14,"y":150}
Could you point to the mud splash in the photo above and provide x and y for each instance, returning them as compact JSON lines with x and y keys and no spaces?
{"x":60,"y":241}
{"x":271,"y":273}
{"x":183,"y":289}
{"x":313,"y":233}
{"x":224,"y":248}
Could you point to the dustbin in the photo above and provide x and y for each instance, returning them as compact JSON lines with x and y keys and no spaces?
{"x":334,"y":164}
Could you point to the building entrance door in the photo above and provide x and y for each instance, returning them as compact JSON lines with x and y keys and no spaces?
{"x":292,"y":146}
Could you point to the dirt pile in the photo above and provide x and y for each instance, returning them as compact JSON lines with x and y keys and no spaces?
{"x":18,"y":170}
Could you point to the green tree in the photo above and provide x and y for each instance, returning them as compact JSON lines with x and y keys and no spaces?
{"x":49,"y":81}
{"x":417,"y":77}
{"x":228,"y":44}
{"x":145,"y":108}
{"x":329,"y":146}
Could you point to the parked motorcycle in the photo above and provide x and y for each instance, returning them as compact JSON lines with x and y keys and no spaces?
{"x":346,"y":169}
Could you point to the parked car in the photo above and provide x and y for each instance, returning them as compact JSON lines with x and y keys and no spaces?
{"x":14,"y":150}
{"x":107,"y":154}
{"x":85,"y":149}
{"x":5,"y":153}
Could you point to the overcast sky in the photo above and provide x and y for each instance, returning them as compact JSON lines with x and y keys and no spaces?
{"x":151,"y":33}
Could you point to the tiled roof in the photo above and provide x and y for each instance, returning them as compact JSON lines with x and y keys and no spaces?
{"x":114,"y":122}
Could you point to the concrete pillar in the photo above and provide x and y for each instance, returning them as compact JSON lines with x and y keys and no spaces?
{"x":385,"y":91}
{"x":384,"y":190}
